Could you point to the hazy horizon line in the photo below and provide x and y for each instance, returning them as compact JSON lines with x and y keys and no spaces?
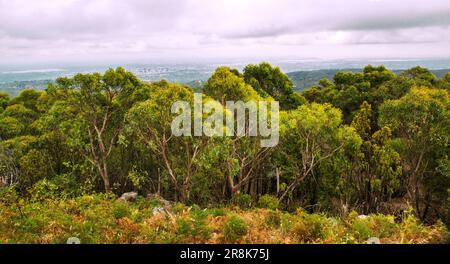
{"x":168,"y":61}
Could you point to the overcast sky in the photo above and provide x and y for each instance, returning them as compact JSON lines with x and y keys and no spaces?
{"x":189,"y":30}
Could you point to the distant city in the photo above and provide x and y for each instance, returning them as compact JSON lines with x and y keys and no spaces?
{"x":303,"y":73}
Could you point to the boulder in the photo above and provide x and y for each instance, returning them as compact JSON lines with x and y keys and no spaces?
{"x":159,"y":211}
{"x":166,"y":204}
{"x":373,"y":240}
{"x":362,"y":216}
{"x":129,"y":196}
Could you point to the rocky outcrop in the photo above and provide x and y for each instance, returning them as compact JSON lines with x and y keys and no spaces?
{"x":165,"y":204}
{"x":129,"y":196}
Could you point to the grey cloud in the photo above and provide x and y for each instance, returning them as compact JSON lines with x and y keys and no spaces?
{"x":75,"y":19}
{"x":345,"y":16}
{"x":438,"y":18}
{"x":106,"y":28}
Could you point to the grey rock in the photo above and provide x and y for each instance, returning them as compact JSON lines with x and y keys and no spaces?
{"x":73,"y":240}
{"x":373,"y":240}
{"x":129,"y":196}
{"x":159,"y":211}
{"x":166,"y":204}
{"x":362,"y":216}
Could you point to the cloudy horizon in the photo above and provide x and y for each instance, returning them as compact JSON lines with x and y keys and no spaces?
{"x":82,"y":31}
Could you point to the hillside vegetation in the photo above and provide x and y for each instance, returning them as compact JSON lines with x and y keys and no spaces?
{"x":104,"y":219}
{"x":305,"y":79}
{"x":371,"y":143}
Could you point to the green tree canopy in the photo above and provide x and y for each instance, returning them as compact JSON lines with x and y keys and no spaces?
{"x":271,"y":81}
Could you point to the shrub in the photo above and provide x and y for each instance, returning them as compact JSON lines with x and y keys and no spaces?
{"x":235,"y":228}
{"x":183,"y":226}
{"x":198,"y":220}
{"x":159,"y":230}
{"x":8,"y":195}
{"x":383,"y":225}
{"x":100,"y":218}
{"x":194,"y":226}
{"x":43,"y":189}
{"x":312,"y":227}
{"x":120,"y":210}
{"x":361,"y":229}
{"x":216,"y":212}
{"x":273,"y":218}
{"x":243,"y":200}
{"x":61,"y":186}
{"x":415,"y":232}
{"x":268,"y":201}
{"x":375,"y":225}
{"x":179,"y":208}
{"x":287,"y":222}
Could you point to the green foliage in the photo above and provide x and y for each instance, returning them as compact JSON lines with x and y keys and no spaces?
{"x":120,"y":210}
{"x":361,"y":122}
{"x":235,"y":228}
{"x":310,"y":136}
{"x":9,"y":173}
{"x":8,"y":195}
{"x":371,"y":141}
{"x":273,"y":218}
{"x":421,"y":121}
{"x":103,"y":219}
{"x":149,"y":123}
{"x":447,"y":77}
{"x":271,"y":81}
{"x":10,"y":127}
{"x":28,"y":98}
{"x":243,"y":200}
{"x":36,"y":165}
{"x":138,"y":179}
{"x":14,"y":120}
{"x":422,"y":76}
{"x":216,"y":211}
{"x":377,"y":75}
{"x":350,"y":89}
{"x":375,"y":168}
{"x":4,"y":100}
{"x":224,"y":85}
{"x":268,"y":201}
{"x":101,"y":102}
{"x":195,"y":227}
{"x":312,"y":228}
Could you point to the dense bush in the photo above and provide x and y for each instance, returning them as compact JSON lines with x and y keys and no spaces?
{"x":235,"y":228}
{"x":314,"y":227}
{"x":195,"y":227}
{"x":243,"y":200}
{"x":370,"y":141}
{"x":268,"y":201}
{"x":105,"y":219}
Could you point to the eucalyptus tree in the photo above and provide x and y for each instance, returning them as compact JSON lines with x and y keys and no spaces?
{"x":310,"y":136}
{"x":246,"y":157}
{"x":421,"y":121}
{"x":150,"y":122}
{"x":271,"y":81}
{"x":100,"y":102}
{"x":376,"y":168}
